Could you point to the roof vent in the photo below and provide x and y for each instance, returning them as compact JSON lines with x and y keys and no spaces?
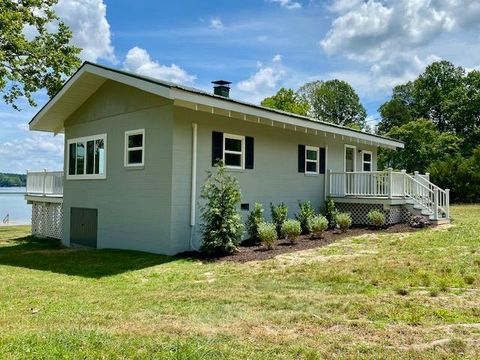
{"x":221,"y":88}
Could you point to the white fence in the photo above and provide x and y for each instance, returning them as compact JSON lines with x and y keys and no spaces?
{"x":391,"y":184}
{"x":45,"y":183}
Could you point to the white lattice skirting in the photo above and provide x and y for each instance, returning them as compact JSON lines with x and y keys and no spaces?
{"x":47,"y":220}
{"x":394,"y":214}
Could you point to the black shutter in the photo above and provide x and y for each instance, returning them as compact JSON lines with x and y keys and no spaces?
{"x":249,"y":152}
{"x":217,"y":147}
{"x":322,"y":160}
{"x":301,"y":158}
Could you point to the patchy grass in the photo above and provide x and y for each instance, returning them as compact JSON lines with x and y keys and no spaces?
{"x":406,"y":295}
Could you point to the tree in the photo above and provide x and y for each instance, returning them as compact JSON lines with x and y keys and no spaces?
{"x":222,"y":226}
{"x":431,"y":89}
{"x":287,"y":100}
{"x":424,"y":144}
{"x":394,"y":113}
{"x":31,"y":63}
{"x":334,"y":101}
{"x":460,"y":175}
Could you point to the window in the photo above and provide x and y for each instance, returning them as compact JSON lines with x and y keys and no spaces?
{"x":135,"y":147}
{"x":367,"y":161}
{"x":311,"y":160}
{"x":87,"y":157}
{"x":233,"y":151}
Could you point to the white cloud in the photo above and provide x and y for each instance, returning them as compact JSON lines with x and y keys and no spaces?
{"x":264,"y":81}
{"x":91,"y":31}
{"x":374,"y":29}
{"x":288,"y":4}
{"x":138,"y":60}
{"x":216,"y":23}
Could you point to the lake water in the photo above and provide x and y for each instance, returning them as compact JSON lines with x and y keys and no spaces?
{"x":12,"y":202}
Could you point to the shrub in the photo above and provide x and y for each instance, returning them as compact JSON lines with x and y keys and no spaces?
{"x":318,"y":224}
{"x":267,"y":234}
{"x":418,"y":221}
{"x":279,"y":215}
{"x":222,"y":226}
{"x":255,"y":218}
{"x":291,"y":229}
{"x":331,"y":212}
{"x":377,"y":218}
{"x":307,"y":212}
{"x":344,"y":221}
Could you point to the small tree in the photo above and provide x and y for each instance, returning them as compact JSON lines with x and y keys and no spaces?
{"x":307,"y":212}
{"x":255,"y":218}
{"x":331,"y":212}
{"x":279,"y":215}
{"x":222,"y":226}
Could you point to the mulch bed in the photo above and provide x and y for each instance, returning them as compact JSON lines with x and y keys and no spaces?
{"x":247,"y":253}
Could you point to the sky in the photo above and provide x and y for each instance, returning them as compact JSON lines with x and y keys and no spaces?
{"x":259,"y":45}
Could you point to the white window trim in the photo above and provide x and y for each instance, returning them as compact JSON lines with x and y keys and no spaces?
{"x":127,"y":149}
{"x":367,"y":162}
{"x":317,"y":162}
{"x":241,"y":153}
{"x":85,"y":140}
{"x":354,"y":157}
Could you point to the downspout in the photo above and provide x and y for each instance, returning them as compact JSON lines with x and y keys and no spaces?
{"x":327,"y":176}
{"x":193,"y":190}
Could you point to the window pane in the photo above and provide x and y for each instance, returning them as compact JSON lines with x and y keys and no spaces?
{"x":135,"y":157}
{"x":233,"y":144}
{"x":99,"y":156}
{"x":311,"y":155}
{"x":135,"y":140}
{"x":233,"y":160}
{"x":90,"y":151}
{"x":367,"y":167}
{"x":80,"y":158}
{"x":311,"y":166}
{"x":367,"y":157}
{"x":71,"y":160}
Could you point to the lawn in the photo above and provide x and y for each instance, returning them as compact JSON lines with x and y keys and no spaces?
{"x":406,"y":295}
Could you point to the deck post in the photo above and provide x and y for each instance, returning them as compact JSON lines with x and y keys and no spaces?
{"x":44,"y":180}
{"x":390,"y":182}
{"x":404,"y":179}
{"x":329,"y":182}
{"x":435,"y":205}
{"x":447,"y":202}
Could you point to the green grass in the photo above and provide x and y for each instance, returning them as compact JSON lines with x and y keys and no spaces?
{"x":411,"y":295}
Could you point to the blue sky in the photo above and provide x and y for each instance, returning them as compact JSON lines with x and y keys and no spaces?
{"x":259,"y":45}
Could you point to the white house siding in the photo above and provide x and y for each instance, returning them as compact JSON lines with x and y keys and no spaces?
{"x":274,"y":179}
{"x":133,"y":204}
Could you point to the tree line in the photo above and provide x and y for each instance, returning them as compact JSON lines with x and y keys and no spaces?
{"x":437,"y":116}
{"x":13,"y":180}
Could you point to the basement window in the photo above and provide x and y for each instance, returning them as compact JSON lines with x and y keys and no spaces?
{"x":86,"y":158}
{"x":234,"y":151}
{"x":135,"y":148}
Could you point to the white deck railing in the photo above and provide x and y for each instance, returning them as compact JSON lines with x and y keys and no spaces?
{"x":390,"y":185}
{"x":45,"y":183}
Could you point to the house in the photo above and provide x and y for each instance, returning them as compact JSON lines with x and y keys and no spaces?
{"x":137,"y":151}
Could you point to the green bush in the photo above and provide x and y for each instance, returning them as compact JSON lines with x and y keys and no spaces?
{"x":291,"y":229}
{"x":279,"y":215}
{"x":344,"y":221}
{"x":267,"y":234}
{"x":331,"y":213}
{"x":222,"y":226}
{"x":255,"y":218}
{"x":376,"y":218}
{"x":307,"y":212}
{"x":318,"y":224}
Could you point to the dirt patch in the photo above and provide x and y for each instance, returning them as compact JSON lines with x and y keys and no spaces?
{"x":304,"y":242}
